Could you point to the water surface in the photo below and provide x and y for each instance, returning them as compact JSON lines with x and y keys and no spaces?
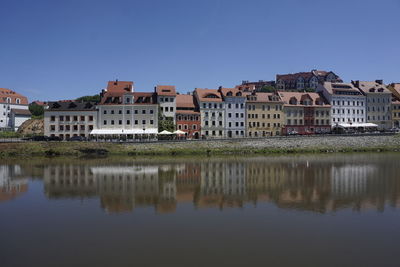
{"x":325,"y":210}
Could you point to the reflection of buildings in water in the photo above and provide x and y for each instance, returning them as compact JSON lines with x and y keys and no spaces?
{"x":120,"y":188}
{"x":318,"y":186}
{"x":350,"y":180}
{"x":11,"y":183}
{"x":222,"y":184}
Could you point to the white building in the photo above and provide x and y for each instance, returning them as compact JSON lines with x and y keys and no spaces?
{"x":212,"y":112}
{"x":378,"y":103}
{"x":10,"y":100}
{"x":166,"y":98}
{"x":348,"y":104}
{"x":127,"y":114}
{"x":68,"y":119}
{"x":235,"y":112}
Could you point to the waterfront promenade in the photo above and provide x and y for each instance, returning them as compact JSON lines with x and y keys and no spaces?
{"x":282,"y":145}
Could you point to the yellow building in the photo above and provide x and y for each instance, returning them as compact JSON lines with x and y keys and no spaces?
{"x":396,"y":113}
{"x":264,"y":113}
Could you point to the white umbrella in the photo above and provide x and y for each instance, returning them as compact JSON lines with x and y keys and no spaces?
{"x":165,"y":132}
{"x":179,"y":132}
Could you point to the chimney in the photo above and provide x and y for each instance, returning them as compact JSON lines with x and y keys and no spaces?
{"x":379,"y":82}
{"x":356,"y":83}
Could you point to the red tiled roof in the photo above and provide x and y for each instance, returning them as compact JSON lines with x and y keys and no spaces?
{"x":263,"y":97}
{"x":235,"y":92}
{"x":165,"y":90}
{"x":187,"y":112}
{"x":120,"y":86}
{"x":299,"y":96}
{"x":185,"y":101}
{"x":13,"y":96}
{"x":143,"y":98}
{"x":208,"y":95}
{"x":19,"y":111}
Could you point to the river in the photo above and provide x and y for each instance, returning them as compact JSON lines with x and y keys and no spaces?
{"x":303,"y":210}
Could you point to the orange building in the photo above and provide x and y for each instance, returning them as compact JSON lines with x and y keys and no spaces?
{"x":187,"y":116}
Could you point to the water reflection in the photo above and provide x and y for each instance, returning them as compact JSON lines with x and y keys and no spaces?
{"x":318,"y":184}
{"x":12,"y":182}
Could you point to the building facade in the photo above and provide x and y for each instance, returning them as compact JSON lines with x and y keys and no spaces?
{"x":305,"y":113}
{"x":166,"y":98}
{"x":212,"y":112}
{"x":305,"y":80}
{"x":68,"y":119}
{"x":378,"y":103}
{"x":235,"y":112}
{"x":188,"y":116}
{"x":10,"y":100}
{"x":396,"y":113}
{"x":348,"y":103}
{"x":265,"y":115}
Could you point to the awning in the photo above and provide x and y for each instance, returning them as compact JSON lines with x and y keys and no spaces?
{"x":165,"y":132}
{"x":356,"y":125}
{"x":179,"y":132}
{"x":123,"y":131}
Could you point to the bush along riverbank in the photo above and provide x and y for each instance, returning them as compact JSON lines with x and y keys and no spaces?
{"x":315,"y":144}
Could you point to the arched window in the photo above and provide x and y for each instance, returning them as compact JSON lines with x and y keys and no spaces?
{"x":8,"y":100}
{"x":18,"y":101}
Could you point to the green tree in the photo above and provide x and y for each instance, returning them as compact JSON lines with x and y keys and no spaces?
{"x":165,"y":123}
{"x":89,"y":98}
{"x":267,"y":89}
{"x":36,"y":110}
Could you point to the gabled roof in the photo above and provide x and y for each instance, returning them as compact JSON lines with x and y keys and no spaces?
{"x":338,"y":88}
{"x":144,"y":98}
{"x":371,"y":87}
{"x":13,"y":96}
{"x":264,"y":98}
{"x":185,"y":101}
{"x":208,"y":95}
{"x":165,"y":90}
{"x":113,"y":97}
{"x":232,"y":92}
{"x":120,"y":86}
{"x":300,"y":96}
{"x":18,"y":111}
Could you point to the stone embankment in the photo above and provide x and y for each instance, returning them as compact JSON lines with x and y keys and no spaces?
{"x":304,"y":144}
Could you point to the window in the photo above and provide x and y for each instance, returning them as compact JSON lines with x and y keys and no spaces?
{"x":151,"y":122}
{"x":52,"y":127}
{"x":90,"y":118}
{"x":67,"y":118}
{"x":151,"y":111}
{"x":112,"y":111}
{"x":112,"y":122}
{"x":61,"y":118}
{"x":136,"y":122}
{"x":75,"y":118}
{"x":82,"y":127}
{"x":128,"y":122}
{"x":105,"y":122}
{"x":128,"y":111}
{"x":120,"y":122}
{"x":143,"y":121}
{"x":52,"y":118}
{"x":143,"y":111}
{"x":105,"y":112}
{"x":82,"y":118}
{"x":61,"y":128}
{"x":136,"y":111}
{"x":75,"y":127}
{"x":119,"y":111}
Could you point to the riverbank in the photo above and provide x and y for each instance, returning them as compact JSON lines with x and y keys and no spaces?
{"x":280,"y":145}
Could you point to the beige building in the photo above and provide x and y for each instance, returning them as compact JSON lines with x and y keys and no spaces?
{"x":264,"y":113}
{"x":379,"y":101}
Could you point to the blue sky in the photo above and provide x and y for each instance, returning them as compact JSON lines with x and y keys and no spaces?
{"x":64,"y":49}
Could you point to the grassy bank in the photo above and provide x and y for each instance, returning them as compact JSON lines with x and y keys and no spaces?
{"x":237,"y":147}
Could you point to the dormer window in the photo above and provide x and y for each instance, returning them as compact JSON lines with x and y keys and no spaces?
{"x":18,"y":101}
{"x":239,"y":94}
{"x":293,"y":101}
{"x":127,"y":100}
{"x":229,"y":93}
{"x":8,"y":100}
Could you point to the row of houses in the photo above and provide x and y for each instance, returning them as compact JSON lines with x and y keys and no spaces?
{"x":241,"y":111}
